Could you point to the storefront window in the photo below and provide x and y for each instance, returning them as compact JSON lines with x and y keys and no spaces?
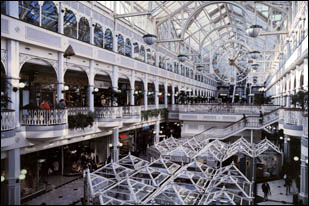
{"x":84,"y":30}
{"x":49,"y":16}
{"x":70,"y":24}
{"x":29,"y":11}
{"x":108,"y":40}
{"x":98,"y":35}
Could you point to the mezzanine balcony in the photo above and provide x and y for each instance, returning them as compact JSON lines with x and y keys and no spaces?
{"x":44,"y":124}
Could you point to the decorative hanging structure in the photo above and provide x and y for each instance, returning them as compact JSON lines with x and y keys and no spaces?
{"x":254,"y":30}
{"x":150,"y":39}
{"x":182,"y":57}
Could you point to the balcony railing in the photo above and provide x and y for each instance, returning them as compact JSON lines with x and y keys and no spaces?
{"x":7,"y":120}
{"x":131,"y":110}
{"x":40,"y":117}
{"x":108,"y":112}
{"x":249,"y":122}
{"x":224,"y":108}
{"x":76,"y":110}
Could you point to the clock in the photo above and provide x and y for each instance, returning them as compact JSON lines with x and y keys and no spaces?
{"x":230,"y":61}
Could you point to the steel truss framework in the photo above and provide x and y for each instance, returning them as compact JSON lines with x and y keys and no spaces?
{"x":188,"y":149}
{"x":132,"y":180}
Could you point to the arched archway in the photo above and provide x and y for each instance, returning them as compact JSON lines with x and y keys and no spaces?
{"x":125,"y":89}
{"x":40,"y":80}
{"x":151,"y":92}
{"x":77,"y":80}
{"x":139,"y":92}
{"x":103,"y":96}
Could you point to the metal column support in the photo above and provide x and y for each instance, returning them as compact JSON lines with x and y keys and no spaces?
{"x":13,"y":162}
{"x":115,"y":150}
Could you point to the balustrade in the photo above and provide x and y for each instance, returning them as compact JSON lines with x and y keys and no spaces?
{"x":224,"y":108}
{"x":131,"y":110}
{"x":76,"y":110}
{"x":7,"y":120}
{"x":41,"y":117}
{"x":108,"y":112}
{"x":293,"y":117}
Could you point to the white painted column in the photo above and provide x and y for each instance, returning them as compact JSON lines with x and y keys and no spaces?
{"x":165,"y":95}
{"x":298,"y":73}
{"x":115,"y":82}
{"x":60,"y":18}
{"x":132,"y":85}
{"x":13,"y":76}
{"x":173,"y":94}
{"x":157,"y":129}
{"x":13,"y":172}
{"x":146,"y":92}
{"x":115,"y":152}
{"x":305,"y":68}
{"x":60,"y":76}
{"x":91,"y":87}
{"x":92,"y":31}
{"x":156,"y":83}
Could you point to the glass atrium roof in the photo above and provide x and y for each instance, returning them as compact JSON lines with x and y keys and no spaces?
{"x":163,"y":182}
{"x":205,"y":24}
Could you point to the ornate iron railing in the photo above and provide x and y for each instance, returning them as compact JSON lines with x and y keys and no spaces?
{"x":131,"y":110}
{"x":7,"y":120}
{"x":42,"y":117}
{"x":76,"y":110}
{"x":108,"y":112}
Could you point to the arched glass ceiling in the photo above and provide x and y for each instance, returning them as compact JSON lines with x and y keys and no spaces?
{"x":170,"y":17}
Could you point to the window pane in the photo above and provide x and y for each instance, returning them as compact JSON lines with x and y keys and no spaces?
{"x":108,"y":40}
{"x":49,"y":16}
{"x":98,"y":35}
{"x":120,"y":44}
{"x":70,"y":24}
{"x":84,"y":30}
{"x":29,"y":11}
{"x":128,"y":49}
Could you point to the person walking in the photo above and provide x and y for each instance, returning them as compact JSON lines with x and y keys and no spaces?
{"x":265,"y":190}
{"x":288,"y":183}
{"x":244,"y":118}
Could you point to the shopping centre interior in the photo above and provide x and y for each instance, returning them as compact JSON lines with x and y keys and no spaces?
{"x":154,"y":102}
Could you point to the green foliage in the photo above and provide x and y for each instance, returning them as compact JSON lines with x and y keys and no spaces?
{"x":154,"y":113}
{"x":81,"y":120}
{"x":300,"y":98}
{"x":259,"y":99}
{"x":5,"y":99}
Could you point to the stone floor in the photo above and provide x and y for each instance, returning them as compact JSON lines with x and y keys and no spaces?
{"x":68,"y":194}
{"x":278,"y":196}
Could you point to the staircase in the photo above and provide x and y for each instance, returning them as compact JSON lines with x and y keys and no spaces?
{"x":252,"y":122}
